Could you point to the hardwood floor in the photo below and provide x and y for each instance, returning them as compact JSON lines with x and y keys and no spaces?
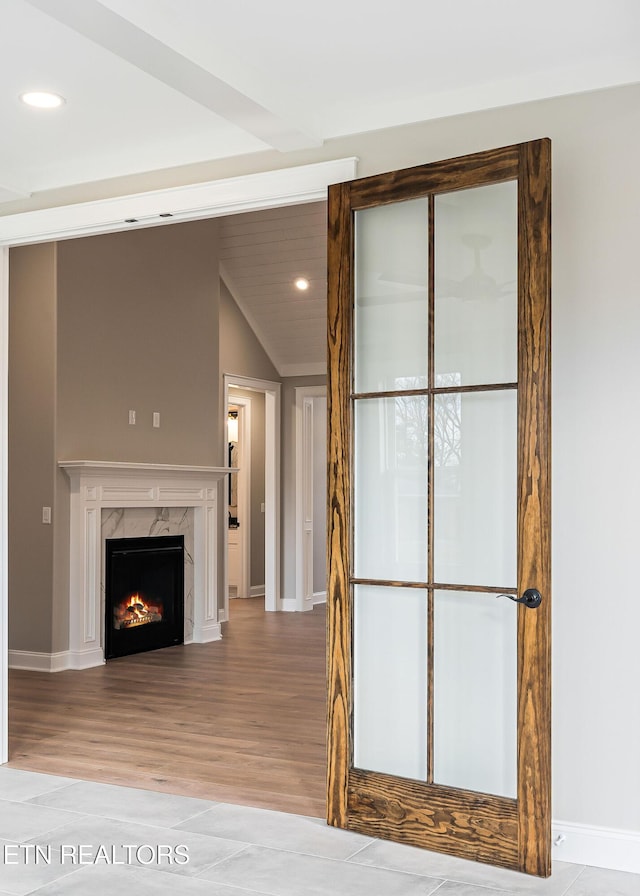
{"x":240,"y":720}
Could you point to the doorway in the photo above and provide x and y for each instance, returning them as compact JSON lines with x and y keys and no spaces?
{"x":239,"y":500}
{"x":311,"y":489}
{"x":238,"y":392}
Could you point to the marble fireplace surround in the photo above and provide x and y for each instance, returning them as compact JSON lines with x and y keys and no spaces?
{"x":167,"y":500}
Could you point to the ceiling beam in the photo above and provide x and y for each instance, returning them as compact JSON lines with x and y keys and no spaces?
{"x":8,"y":193}
{"x":118,"y":35}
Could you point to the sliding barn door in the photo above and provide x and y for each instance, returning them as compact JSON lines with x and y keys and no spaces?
{"x":439,"y":506}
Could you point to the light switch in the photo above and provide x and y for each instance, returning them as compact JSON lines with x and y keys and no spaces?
{"x":46,"y":515}
{"x":132,"y":418}
{"x":156,"y":419}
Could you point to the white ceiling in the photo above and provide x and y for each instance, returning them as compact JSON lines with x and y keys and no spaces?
{"x":159,"y":84}
{"x":261,"y":255}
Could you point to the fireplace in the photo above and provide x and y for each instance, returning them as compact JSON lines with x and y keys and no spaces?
{"x":100,"y":488}
{"x":144,"y":594}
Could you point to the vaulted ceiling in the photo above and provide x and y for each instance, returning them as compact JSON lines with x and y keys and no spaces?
{"x":162,"y":85}
{"x":262,"y":254}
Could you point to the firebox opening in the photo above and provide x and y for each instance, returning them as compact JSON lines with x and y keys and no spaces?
{"x":144,"y":594}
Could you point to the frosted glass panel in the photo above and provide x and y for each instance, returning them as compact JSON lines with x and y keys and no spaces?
{"x":475,"y":701}
{"x":475,"y":488}
{"x":391,"y":299}
{"x":390,"y":488}
{"x":390,"y":680}
{"x":476,"y":272}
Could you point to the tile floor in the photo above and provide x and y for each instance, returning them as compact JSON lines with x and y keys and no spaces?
{"x":61,"y":837}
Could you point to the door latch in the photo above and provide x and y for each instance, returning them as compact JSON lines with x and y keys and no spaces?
{"x":531,"y":598}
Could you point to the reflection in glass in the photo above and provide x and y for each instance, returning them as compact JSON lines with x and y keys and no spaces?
{"x":390,"y":680}
{"x":390,"y":488}
{"x":475,"y":488}
{"x":475,"y":701}
{"x":391,"y":299}
{"x":476,"y":273}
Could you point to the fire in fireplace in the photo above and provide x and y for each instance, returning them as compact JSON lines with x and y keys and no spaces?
{"x":144,"y":594}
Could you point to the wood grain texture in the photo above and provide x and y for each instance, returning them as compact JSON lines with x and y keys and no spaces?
{"x":534,"y":507}
{"x":339,"y":701}
{"x":443,"y":819}
{"x":431,"y":475}
{"x":436,"y":586}
{"x":240,"y":720}
{"x":515,"y":834}
{"x":479,"y":169}
{"x":437,"y":390}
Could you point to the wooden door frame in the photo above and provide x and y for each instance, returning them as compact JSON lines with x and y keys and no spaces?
{"x":512,"y":833}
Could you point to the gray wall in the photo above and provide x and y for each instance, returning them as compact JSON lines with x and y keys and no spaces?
{"x":99,"y":326}
{"x":242,"y":354}
{"x":240,"y":351}
{"x":32,"y":472}
{"x":138,"y":329}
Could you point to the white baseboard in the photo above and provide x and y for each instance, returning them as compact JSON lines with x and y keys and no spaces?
{"x":208,"y":633}
{"x":257,"y":591}
{"x":288,"y":605}
{"x":319,"y":597}
{"x":84,"y":659}
{"x":603,"y":847}
{"x":32,"y":661}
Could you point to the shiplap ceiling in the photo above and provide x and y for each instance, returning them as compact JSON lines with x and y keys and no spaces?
{"x":261,"y":255}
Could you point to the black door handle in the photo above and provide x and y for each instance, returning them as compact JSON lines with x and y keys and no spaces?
{"x":531,"y":598}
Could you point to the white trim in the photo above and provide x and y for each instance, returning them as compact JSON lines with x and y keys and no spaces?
{"x":4,"y":504}
{"x":266,"y":189}
{"x":289,"y":605}
{"x":319,"y":597}
{"x":603,"y":847}
{"x":31,"y":661}
{"x":304,"y":493}
{"x":272,"y":485}
{"x":244,"y":491}
{"x":257,"y":591}
{"x":98,"y":485}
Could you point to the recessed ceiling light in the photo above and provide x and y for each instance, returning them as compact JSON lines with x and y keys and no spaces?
{"x":40,"y":99}
{"x":302,"y":283}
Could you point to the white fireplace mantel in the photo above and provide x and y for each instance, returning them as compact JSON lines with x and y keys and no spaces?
{"x":98,"y":485}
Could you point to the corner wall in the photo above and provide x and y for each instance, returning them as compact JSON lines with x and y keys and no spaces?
{"x":32,"y":471}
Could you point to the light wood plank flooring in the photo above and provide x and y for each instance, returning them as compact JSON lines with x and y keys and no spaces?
{"x":240,"y":720}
